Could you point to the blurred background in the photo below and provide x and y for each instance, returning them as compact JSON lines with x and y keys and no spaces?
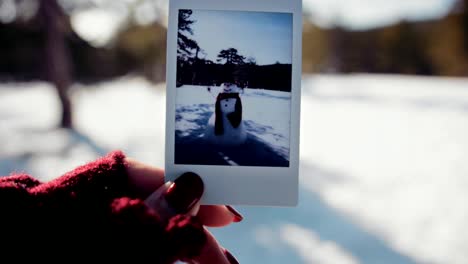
{"x":384,"y":167}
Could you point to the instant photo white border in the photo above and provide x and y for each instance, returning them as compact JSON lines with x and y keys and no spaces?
{"x":239,"y":185}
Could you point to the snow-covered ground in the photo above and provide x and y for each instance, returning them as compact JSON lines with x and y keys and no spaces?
{"x":266,"y":116}
{"x":383,"y":163}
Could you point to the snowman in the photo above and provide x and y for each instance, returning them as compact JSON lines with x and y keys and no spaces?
{"x":225,"y":127}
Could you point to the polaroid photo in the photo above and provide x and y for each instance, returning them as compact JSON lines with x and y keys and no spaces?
{"x":233,"y":98}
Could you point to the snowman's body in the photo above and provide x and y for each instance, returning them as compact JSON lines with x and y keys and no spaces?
{"x":226,"y":127}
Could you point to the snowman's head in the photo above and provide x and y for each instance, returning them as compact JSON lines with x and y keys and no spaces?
{"x":226,"y":87}
{"x":229,"y":88}
{"x":229,"y":105}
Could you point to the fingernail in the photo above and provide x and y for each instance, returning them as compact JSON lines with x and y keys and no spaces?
{"x":230,"y":257}
{"x":237,"y":216}
{"x":185,"y":192}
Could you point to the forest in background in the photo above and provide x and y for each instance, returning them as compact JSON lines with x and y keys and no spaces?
{"x":44,"y":46}
{"x":437,"y":47}
{"x":137,"y":49}
{"x":432,"y":47}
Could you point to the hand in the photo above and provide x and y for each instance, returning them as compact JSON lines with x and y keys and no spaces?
{"x":145,"y":180}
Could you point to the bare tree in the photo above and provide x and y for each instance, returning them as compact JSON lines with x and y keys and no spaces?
{"x":57,"y":57}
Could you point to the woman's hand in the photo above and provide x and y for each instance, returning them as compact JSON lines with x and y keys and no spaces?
{"x":148,"y":183}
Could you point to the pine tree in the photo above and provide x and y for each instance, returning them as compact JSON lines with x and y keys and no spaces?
{"x":185,"y":45}
{"x":231,"y":56}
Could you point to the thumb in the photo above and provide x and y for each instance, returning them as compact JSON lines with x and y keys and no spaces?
{"x":179,"y":197}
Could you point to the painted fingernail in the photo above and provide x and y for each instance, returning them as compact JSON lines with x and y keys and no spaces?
{"x":237,"y":216}
{"x":185,"y":192}
{"x":230,"y":257}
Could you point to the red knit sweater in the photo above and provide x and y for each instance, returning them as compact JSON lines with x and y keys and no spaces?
{"x":92,"y":209}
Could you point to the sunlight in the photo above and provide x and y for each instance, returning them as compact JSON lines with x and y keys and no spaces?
{"x":98,"y":26}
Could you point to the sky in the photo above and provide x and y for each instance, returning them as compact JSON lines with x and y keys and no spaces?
{"x":364,"y":14}
{"x":99,"y":23}
{"x":265,"y":36}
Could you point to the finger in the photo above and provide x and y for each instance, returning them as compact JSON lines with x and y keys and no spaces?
{"x":179,"y":197}
{"x":195,"y":209}
{"x":144,"y":179}
{"x":230,"y":257}
{"x":218,"y":215}
{"x":212,"y":252}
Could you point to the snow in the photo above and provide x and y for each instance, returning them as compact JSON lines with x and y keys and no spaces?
{"x":266,"y":115}
{"x":309,"y":246}
{"x":383,"y":162}
{"x":396,"y":150}
{"x":126,"y":114}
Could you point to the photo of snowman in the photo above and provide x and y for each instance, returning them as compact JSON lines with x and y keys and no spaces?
{"x":233,"y":90}
{"x":225,"y":126}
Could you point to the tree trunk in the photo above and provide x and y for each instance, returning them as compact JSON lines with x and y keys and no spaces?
{"x":465,"y":25}
{"x":57,"y":59}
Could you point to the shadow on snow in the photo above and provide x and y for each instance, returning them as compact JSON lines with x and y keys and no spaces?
{"x":191,"y":148}
{"x":313,"y":214}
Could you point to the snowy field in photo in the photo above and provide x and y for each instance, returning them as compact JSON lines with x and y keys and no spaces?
{"x":383,"y":163}
{"x":266,"y":115}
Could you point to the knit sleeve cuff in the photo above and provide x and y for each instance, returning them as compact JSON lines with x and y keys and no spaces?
{"x":181,"y":239}
{"x":86,"y":191}
{"x":106,"y":176}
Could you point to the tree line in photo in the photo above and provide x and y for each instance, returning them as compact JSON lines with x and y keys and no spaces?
{"x":230,"y":66}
